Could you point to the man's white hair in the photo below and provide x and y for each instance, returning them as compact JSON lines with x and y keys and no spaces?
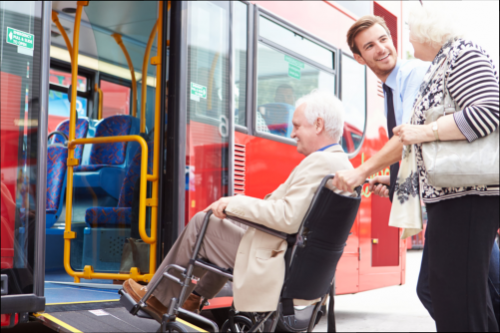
{"x":323,"y":104}
{"x":429,"y":26}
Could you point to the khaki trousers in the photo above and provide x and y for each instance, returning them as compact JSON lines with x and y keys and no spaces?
{"x":219,"y":246}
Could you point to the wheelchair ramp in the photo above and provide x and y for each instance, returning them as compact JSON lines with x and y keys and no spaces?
{"x":106,"y":319}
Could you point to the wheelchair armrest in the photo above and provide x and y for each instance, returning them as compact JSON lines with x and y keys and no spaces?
{"x":259,"y":227}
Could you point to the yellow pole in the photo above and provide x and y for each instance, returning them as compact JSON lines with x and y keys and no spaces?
{"x":145,"y":63}
{"x":55,"y":19}
{"x":211,"y":80}
{"x":118,"y":39}
{"x":99,"y":106}
{"x":68,"y":234}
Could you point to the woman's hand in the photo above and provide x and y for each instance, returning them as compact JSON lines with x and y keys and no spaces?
{"x":414,"y":134}
{"x":218,"y":207}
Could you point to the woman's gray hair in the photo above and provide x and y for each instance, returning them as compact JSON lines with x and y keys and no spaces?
{"x":430,"y":26}
{"x":323,"y":104}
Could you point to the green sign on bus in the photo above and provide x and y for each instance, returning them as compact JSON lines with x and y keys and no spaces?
{"x":20,"y":38}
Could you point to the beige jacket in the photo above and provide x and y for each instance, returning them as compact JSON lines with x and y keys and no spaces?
{"x":260,"y":266}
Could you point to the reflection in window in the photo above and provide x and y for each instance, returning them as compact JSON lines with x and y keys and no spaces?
{"x":296,"y":43}
{"x":354,"y":100}
{"x":115,"y":99}
{"x":240,"y":56}
{"x":63,"y":79}
{"x":59,"y":106}
{"x":281,"y":81}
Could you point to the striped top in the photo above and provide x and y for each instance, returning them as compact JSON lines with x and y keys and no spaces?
{"x":473,"y":84}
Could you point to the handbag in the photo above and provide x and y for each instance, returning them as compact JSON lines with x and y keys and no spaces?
{"x":459,"y":163}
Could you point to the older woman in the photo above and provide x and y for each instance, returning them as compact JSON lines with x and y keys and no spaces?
{"x":462,"y":221}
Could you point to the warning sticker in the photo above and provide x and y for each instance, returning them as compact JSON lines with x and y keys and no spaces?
{"x":198,"y":91}
{"x":20,"y":38}
{"x":99,"y":313}
{"x":294,"y":67}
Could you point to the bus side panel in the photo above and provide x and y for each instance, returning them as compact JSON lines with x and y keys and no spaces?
{"x":10,"y":102}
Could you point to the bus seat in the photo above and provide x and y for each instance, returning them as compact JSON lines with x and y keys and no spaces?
{"x":56,"y":176}
{"x":82,"y":127}
{"x":278,"y":117}
{"x":120,"y":216}
{"x":110,"y":154}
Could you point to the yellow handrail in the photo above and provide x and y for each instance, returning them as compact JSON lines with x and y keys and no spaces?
{"x":145,"y":63}
{"x":69,"y":235}
{"x":88,"y":272}
{"x":55,"y":19}
{"x":118,"y":39}
{"x":99,"y":106}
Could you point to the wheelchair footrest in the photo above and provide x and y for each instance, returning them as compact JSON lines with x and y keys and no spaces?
{"x":129,"y":303}
{"x":214,"y":268}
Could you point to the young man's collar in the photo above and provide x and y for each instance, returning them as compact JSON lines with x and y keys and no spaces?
{"x":391,"y":81}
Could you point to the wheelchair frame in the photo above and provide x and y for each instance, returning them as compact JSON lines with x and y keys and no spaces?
{"x":187,"y":276}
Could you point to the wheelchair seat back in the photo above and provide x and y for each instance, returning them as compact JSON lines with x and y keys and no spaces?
{"x":320,"y":245}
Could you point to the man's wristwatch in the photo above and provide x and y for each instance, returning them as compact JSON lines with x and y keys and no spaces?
{"x":435,"y":130}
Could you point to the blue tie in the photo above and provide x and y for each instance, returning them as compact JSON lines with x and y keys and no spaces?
{"x":391,"y":123}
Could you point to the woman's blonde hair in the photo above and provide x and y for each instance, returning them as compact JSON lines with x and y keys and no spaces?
{"x":432,"y":27}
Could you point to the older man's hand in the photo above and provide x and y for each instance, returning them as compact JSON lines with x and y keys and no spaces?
{"x":218,"y":207}
{"x":348,"y":180}
{"x":377,"y":186}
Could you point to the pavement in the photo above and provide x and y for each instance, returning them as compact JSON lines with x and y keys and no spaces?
{"x":392,"y":309}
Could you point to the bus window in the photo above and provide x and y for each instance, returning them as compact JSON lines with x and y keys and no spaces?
{"x":353,"y":95}
{"x":115,"y":99}
{"x":58,"y":97}
{"x":240,"y":39}
{"x":281,"y":81}
{"x":296,"y":43}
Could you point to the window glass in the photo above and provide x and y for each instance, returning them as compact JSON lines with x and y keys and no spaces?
{"x":296,"y":43}
{"x":354,"y":100}
{"x":281,"y":81}
{"x":59,"y":106}
{"x":115,"y":99}
{"x":240,"y":39}
{"x":63,"y":79}
{"x":208,"y":104}
{"x":20,"y":61}
{"x":358,"y":8}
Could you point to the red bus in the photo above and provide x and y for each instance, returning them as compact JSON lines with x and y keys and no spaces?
{"x":208,"y":89}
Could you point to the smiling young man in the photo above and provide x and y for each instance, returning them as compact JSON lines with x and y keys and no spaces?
{"x":370,"y":41}
{"x":257,"y":258}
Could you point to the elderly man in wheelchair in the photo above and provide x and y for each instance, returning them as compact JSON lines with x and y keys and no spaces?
{"x":256,"y":256}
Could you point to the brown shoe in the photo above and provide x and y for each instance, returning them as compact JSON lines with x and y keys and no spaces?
{"x":154,"y":307}
{"x":193,"y":303}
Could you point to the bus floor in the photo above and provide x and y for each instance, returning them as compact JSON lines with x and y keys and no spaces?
{"x":90,"y":306}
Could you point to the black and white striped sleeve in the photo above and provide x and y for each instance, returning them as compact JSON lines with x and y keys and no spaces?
{"x":473,"y":85}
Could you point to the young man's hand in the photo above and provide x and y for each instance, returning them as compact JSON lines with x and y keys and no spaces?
{"x":218,"y":207}
{"x":348,"y":180}
{"x":380,"y":189}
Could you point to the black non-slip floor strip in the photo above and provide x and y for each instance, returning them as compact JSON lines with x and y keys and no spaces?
{"x":64,"y":307}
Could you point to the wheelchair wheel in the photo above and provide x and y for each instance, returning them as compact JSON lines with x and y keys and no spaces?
{"x":173,"y":327}
{"x":243,"y":324}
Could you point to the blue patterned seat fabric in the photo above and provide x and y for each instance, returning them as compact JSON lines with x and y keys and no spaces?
{"x":105,"y":154}
{"x":82,"y":126}
{"x":56,"y":171}
{"x":113,"y":217}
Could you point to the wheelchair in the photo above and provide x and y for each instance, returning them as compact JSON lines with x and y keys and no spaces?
{"x":311,"y":261}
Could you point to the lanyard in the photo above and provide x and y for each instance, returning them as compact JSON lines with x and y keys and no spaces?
{"x":325,"y":148}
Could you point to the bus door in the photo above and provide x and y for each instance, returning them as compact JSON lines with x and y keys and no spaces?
{"x":23,"y":66}
{"x":108,"y":59}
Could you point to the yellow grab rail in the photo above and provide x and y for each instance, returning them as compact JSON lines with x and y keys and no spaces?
{"x":88,"y":272}
{"x":99,"y":106}
{"x":55,"y":19}
{"x":144,"y":89}
{"x":118,"y":39}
